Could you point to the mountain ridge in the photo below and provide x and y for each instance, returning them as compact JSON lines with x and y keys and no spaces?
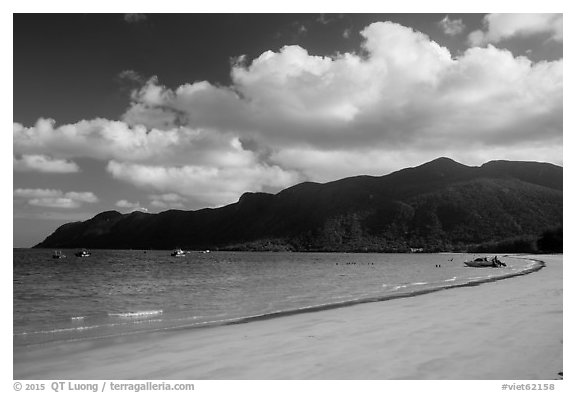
{"x":439,"y":205}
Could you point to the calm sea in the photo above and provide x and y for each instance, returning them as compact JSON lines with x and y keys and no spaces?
{"x":116,"y":292}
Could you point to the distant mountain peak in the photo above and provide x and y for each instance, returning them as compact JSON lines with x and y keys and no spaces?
{"x":444,"y":159}
{"x":443,"y":162}
{"x":440,"y":168}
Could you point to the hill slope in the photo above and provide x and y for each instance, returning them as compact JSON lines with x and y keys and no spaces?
{"x":440,"y":205}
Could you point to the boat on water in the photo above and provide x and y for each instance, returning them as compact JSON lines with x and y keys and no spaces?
{"x":82,"y":254}
{"x":58,"y":254}
{"x":485,"y":262}
{"x":178,"y":253}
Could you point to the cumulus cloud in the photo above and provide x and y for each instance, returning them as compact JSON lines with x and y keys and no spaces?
{"x":290,"y":116}
{"x":167,"y":201}
{"x":125,"y":204}
{"x":131,"y":206}
{"x":406,"y":90}
{"x":452,"y":26}
{"x":87,"y":197}
{"x":106,"y":139}
{"x":36,"y":193}
{"x":54,"y":198}
{"x":181,"y":160}
{"x":498,"y":27}
{"x":205,"y":186}
{"x":42,"y":163}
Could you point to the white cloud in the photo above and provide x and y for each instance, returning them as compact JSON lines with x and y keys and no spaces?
{"x":54,"y":198}
{"x":36,"y":193}
{"x":125,"y":204}
{"x":61,"y":203}
{"x":204,"y":186}
{"x":498,"y":27}
{"x":167,"y":197}
{"x":42,"y":163}
{"x":406,"y":90}
{"x":98,"y":138}
{"x":452,"y":27}
{"x":166,"y":201}
{"x":131,"y":206}
{"x":134,"y":150}
{"x":290,"y":116}
{"x":106,"y":139}
{"x":87,"y":197}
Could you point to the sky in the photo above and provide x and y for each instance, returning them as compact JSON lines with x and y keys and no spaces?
{"x":185,"y":111}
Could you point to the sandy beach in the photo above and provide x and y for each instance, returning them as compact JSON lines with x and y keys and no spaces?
{"x":507,"y":329}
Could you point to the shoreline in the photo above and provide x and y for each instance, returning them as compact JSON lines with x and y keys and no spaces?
{"x":197,"y":347}
{"x":537,"y":265}
{"x":376,"y":299}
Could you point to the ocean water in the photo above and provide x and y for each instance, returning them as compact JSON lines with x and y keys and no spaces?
{"x":119,"y":292}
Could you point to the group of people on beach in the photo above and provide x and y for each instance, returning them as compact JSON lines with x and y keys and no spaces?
{"x":496,"y":262}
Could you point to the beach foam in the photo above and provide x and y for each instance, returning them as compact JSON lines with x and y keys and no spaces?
{"x":136,"y":314}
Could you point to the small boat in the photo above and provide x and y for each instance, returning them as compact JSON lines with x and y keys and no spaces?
{"x":58,"y":254}
{"x":82,"y":254}
{"x":485,"y":262}
{"x":178,"y":253}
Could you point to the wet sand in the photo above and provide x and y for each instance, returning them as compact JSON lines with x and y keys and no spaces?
{"x":507,"y":329}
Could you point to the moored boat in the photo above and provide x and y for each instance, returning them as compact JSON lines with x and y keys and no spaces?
{"x":178,"y":253}
{"x":485,"y":262}
{"x":58,"y":254}
{"x":82,"y":254}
